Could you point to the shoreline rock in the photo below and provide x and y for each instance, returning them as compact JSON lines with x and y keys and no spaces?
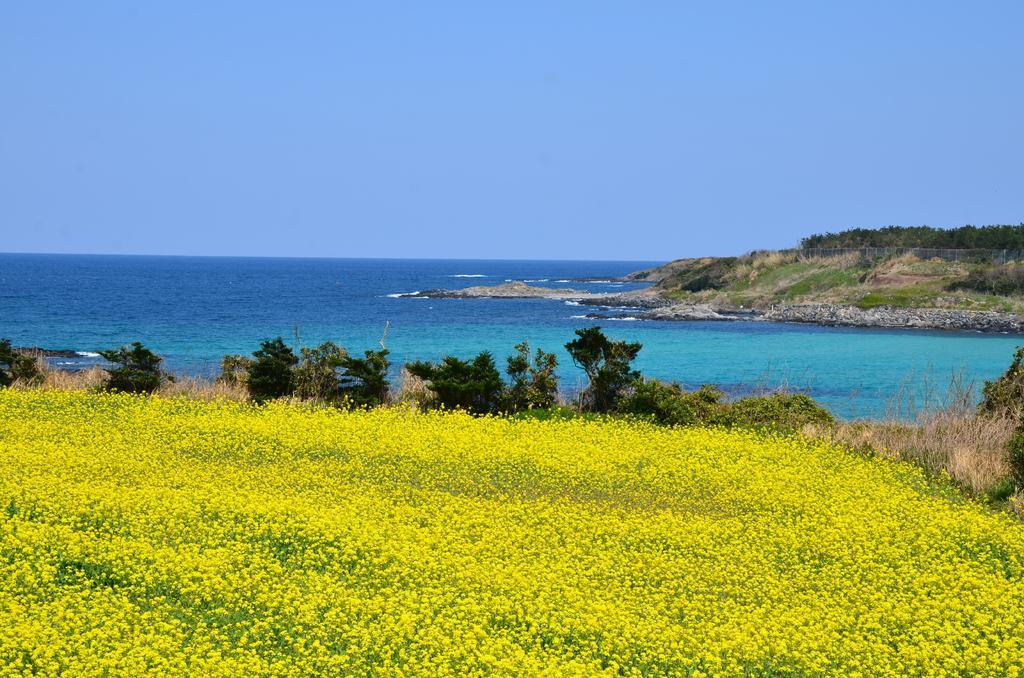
{"x":47,"y":352}
{"x":510,"y":290}
{"x":896,"y":318}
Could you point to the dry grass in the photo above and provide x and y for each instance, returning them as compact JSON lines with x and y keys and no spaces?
{"x":62,"y":380}
{"x":766,"y":260}
{"x":93,"y":379}
{"x":411,"y":390}
{"x":940,"y":430}
{"x":970,"y":448}
{"x":847,"y":260}
{"x":198,"y":388}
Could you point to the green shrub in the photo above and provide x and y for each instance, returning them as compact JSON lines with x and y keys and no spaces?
{"x":138,"y":369}
{"x":475,"y":385}
{"x":234,"y":370}
{"x":364,"y":381}
{"x":270,"y":374}
{"x":670,"y":405}
{"x":315,"y":376}
{"x":534,"y":383}
{"x":784,"y":411}
{"x":608,"y":366}
{"x":15,"y":366}
{"x":1003,"y":279}
{"x":1005,"y":395}
{"x":1017,"y":456}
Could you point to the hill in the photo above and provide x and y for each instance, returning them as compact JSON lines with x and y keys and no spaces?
{"x":859,"y":279}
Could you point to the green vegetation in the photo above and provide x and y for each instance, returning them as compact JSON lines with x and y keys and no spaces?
{"x":709,"y":273}
{"x":1017,"y":456}
{"x":137,"y":371}
{"x":534,"y":383}
{"x":670,"y":405}
{"x":364,"y":381}
{"x":608,"y":366}
{"x":965,"y":237}
{"x":270,"y":374}
{"x":315,"y":376}
{"x":324,"y":373}
{"x":1005,"y":395}
{"x":761,"y":279}
{"x":15,"y":366}
{"x":1004,"y":279}
{"x":234,"y":370}
{"x":473,"y":385}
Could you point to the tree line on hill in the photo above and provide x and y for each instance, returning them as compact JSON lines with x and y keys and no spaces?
{"x":528,"y":384}
{"x":996,"y":237}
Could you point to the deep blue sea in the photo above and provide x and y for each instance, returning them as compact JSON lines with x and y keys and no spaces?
{"x":193,"y":310}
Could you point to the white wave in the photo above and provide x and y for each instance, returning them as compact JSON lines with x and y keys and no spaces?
{"x":468,"y":275}
{"x":600,"y":282}
{"x":399,"y":295}
{"x":628,"y":317}
{"x":87,"y":354}
{"x":537,"y":280}
{"x":570,"y":302}
{"x":579,"y":317}
{"x":563,"y":280}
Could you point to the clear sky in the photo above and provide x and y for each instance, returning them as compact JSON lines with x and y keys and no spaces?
{"x":583,"y":130}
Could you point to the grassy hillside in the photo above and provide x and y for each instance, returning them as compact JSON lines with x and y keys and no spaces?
{"x":192,"y":538}
{"x":762,"y":279}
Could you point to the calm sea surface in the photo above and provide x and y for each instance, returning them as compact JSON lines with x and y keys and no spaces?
{"x":193,"y":310}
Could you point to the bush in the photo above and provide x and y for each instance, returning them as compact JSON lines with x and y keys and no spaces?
{"x":784,"y":411}
{"x":669,"y":405}
{"x":1005,"y":395}
{"x":364,"y":381}
{"x":475,"y":386}
{"x":1016,"y":456}
{"x":15,"y":366}
{"x":234,"y":370}
{"x":608,"y":366}
{"x":1004,"y":279}
{"x":270,"y":375}
{"x":534,"y":384}
{"x":316,"y":375}
{"x":138,"y":369}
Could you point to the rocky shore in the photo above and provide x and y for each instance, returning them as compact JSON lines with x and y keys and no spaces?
{"x":848,"y":316}
{"x":648,"y":305}
{"x":889,"y":316}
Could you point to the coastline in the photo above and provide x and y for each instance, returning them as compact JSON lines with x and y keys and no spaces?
{"x":648,"y":305}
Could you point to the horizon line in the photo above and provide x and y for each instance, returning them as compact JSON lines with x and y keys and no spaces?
{"x":334,"y":258}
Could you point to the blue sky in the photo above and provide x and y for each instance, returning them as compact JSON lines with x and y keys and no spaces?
{"x":584,"y":130}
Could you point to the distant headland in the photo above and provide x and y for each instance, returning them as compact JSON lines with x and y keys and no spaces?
{"x":967,"y":278}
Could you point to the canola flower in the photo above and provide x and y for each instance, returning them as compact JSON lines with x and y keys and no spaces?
{"x":185,"y":538}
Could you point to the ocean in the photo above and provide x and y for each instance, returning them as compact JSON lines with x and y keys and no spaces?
{"x":193,"y":310}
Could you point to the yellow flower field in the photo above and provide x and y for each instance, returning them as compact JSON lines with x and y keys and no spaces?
{"x":192,"y":538}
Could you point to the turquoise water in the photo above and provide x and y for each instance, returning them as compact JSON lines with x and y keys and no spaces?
{"x":193,"y":310}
